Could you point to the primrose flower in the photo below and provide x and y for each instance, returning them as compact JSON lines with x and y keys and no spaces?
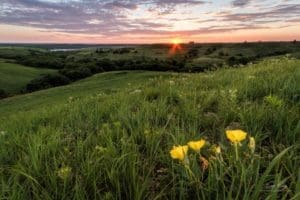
{"x":236,"y":136}
{"x":251,"y":144}
{"x":179,"y":152}
{"x":196,"y":145}
{"x":217,"y":149}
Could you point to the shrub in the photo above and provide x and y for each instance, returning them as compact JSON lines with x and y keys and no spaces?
{"x":210,"y":50}
{"x":192,"y":53}
{"x":122,"y":51}
{"x":105,"y":64}
{"x":76,"y":74}
{"x":3,"y":94}
{"x":221,"y":53}
{"x":42,"y":61}
{"x":47,"y":81}
{"x":204,"y":64}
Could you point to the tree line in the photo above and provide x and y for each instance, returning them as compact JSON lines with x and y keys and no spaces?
{"x":72,"y":67}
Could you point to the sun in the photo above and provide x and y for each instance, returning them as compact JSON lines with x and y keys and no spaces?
{"x":176,"y":46}
{"x":176,"y":41}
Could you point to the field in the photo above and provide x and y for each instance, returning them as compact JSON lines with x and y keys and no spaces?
{"x":109,"y":136}
{"x":14,"y":77}
{"x":109,"y":82}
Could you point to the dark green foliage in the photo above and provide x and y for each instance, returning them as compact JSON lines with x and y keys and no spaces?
{"x":222,"y":53}
{"x":3,"y":94}
{"x":105,"y":64}
{"x":273,"y":53}
{"x":122,"y":51}
{"x":101,"y":51}
{"x":192,"y":53}
{"x":204,"y":64}
{"x":239,"y":59}
{"x":51,"y":60}
{"x":76,"y":74}
{"x":210,"y":50}
{"x":47,"y":81}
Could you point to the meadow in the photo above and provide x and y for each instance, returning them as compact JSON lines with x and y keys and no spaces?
{"x":109,"y":82}
{"x":110,"y":136}
{"x":14,"y":77}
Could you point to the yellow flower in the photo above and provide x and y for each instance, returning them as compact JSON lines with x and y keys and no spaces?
{"x":179,"y":152}
{"x":196,"y":145}
{"x":251,"y":144}
{"x":217,"y":149}
{"x":236,"y":136}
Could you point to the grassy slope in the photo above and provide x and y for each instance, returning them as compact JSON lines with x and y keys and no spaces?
{"x":14,"y":77}
{"x":116,"y":145}
{"x":100,"y":83}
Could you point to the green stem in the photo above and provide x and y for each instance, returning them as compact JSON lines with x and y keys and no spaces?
{"x":236,"y":151}
{"x":191,"y":174}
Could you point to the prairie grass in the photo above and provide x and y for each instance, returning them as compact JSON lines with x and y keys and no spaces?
{"x":116,"y":145}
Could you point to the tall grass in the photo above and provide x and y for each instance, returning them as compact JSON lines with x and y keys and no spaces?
{"x":116,"y":146}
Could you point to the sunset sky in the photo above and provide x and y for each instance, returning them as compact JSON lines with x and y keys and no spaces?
{"x":148,"y":21}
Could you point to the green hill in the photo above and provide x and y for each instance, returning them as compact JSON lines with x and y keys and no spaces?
{"x":110,"y":136}
{"x":14,"y":77}
{"x":106,"y":83}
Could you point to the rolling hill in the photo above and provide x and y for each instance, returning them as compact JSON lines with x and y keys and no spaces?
{"x":109,"y":136}
{"x":14,"y":77}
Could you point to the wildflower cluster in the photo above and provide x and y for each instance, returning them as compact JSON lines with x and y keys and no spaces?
{"x":234,"y":136}
{"x":181,"y":152}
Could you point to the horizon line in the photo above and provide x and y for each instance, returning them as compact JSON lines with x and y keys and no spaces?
{"x":221,"y":42}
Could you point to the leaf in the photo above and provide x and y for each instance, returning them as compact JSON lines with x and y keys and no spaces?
{"x":276,"y":160}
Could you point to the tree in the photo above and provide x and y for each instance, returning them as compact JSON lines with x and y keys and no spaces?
{"x":3,"y":94}
{"x":47,"y":81}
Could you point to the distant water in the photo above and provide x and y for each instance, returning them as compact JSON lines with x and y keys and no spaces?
{"x":54,"y":50}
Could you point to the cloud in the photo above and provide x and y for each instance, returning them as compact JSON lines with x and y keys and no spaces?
{"x":120,"y":4}
{"x":240,"y":3}
{"x":280,"y":12}
{"x":113,"y":18}
{"x":75,"y":16}
{"x":167,"y":2}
